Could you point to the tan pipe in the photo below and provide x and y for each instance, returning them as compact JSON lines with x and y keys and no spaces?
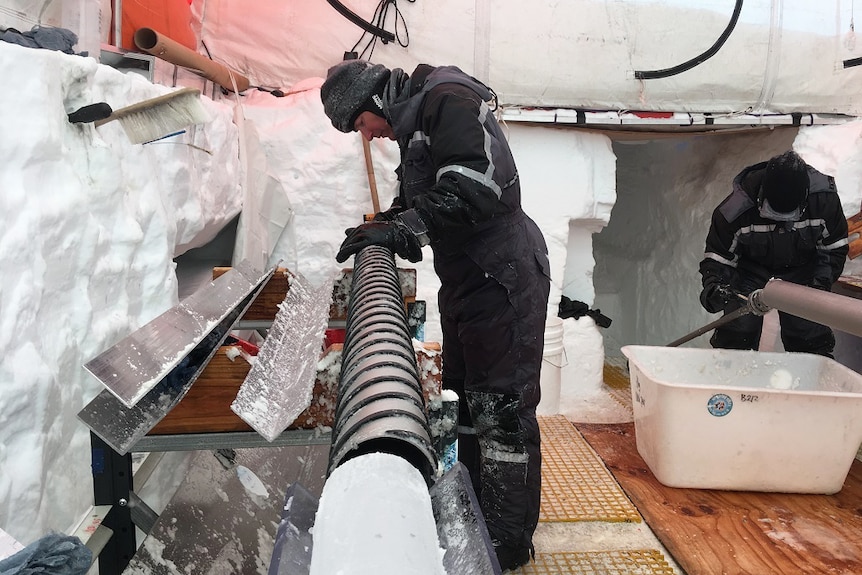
{"x":163,"y":47}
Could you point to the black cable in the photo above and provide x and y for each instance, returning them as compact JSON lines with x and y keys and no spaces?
{"x":367,"y":26}
{"x":381,"y":14}
{"x":654,"y":74}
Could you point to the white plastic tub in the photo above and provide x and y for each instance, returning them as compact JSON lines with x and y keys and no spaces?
{"x":745,"y":420}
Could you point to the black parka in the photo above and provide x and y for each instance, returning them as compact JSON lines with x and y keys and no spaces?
{"x":745,"y":250}
{"x":742,"y":245}
{"x":460,"y":192}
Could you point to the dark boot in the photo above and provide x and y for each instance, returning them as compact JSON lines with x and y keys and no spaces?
{"x":512,"y":557}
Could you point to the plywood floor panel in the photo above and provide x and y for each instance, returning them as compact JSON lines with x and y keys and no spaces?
{"x":711,"y":532}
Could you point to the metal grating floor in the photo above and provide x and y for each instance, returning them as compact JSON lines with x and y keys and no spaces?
{"x":621,"y":562}
{"x":615,"y":373}
{"x":576,"y":485}
{"x":617,"y":381}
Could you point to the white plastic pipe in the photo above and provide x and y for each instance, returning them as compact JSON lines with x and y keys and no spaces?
{"x":827,"y":308}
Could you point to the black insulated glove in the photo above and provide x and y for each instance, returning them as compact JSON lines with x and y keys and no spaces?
{"x":393,"y":235}
{"x":389,"y":215}
{"x":715,"y":296}
{"x":386,"y":216}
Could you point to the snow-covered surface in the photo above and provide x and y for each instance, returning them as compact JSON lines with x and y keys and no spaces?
{"x":280,"y":383}
{"x":92,"y":225}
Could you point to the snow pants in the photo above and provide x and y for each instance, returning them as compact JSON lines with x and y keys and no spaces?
{"x":493,"y":304}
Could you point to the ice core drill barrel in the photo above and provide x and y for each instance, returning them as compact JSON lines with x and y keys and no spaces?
{"x":380,"y":406}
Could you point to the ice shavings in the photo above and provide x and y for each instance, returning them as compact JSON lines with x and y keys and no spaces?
{"x":251,"y":481}
{"x":234,"y":351}
{"x":783,"y":379}
{"x":279,"y":385}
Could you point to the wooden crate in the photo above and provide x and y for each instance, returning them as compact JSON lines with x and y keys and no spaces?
{"x":206,"y":407}
{"x":265,"y":305}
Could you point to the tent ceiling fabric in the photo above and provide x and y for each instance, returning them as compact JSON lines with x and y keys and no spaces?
{"x":793,"y":56}
{"x":578,"y":54}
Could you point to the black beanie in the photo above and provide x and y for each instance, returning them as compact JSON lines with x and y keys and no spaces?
{"x":348,"y":91}
{"x":785,"y":182}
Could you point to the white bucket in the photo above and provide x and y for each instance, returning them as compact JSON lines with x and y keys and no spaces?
{"x":552,"y":362}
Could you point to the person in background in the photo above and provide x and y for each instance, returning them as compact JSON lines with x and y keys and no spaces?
{"x":783,"y":219}
{"x":459,"y":193}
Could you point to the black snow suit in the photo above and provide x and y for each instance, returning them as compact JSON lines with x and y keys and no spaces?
{"x":745,"y":250}
{"x":459,"y":191}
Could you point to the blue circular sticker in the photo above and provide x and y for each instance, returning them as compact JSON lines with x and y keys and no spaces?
{"x":719,"y":404}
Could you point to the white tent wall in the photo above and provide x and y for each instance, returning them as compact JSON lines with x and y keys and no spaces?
{"x":88,"y":19}
{"x":782,"y":56}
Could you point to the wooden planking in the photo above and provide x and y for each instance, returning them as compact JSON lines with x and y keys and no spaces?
{"x":206,"y":406}
{"x":738,"y":533}
{"x":265,"y":305}
{"x":849,"y":285}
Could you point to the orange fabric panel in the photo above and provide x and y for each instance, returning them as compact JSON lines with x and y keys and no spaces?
{"x":172,"y":18}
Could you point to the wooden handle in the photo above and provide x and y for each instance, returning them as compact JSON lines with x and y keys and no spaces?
{"x":372,"y":181}
{"x":855,"y":248}
{"x":151,"y":104}
{"x":854,"y":223}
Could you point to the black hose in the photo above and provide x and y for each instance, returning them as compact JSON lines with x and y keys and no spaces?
{"x":727,"y":318}
{"x":654,"y":74}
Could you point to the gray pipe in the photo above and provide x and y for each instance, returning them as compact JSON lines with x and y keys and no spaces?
{"x":823,"y":307}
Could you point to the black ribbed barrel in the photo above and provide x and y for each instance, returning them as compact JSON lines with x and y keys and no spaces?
{"x":380,"y":406}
